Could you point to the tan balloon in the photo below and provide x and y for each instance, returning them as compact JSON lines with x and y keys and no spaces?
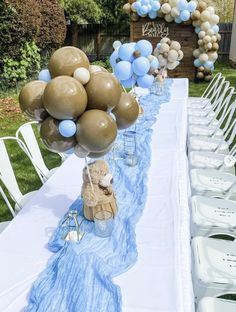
{"x":103,"y":91}
{"x":65,"y":98}
{"x":99,"y":155}
{"x":196,"y":15}
{"x":96,"y":130}
{"x":215,"y":46}
{"x":64,"y":61}
{"x":80,"y":151}
{"x":51,"y":137}
{"x":205,"y":26}
{"x":30,"y":100}
{"x":200,"y":75}
{"x":196,"y":53}
{"x":208,"y":78}
{"x":172,"y":55}
{"x":196,"y":23}
{"x":207,"y":39}
{"x":126,"y":111}
{"x":173,"y":3}
{"x":96,"y":68}
{"x":203,"y":58}
{"x":127,"y":8}
{"x":180,"y":55}
{"x":166,"y":8}
{"x":175,"y":12}
{"x":202,"y":6}
{"x":205,"y":16}
{"x":201,"y":34}
{"x":134,"y":17}
{"x":169,"y":18}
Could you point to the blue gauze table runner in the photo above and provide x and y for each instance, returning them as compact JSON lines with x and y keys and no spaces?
{"x":78,"y":278}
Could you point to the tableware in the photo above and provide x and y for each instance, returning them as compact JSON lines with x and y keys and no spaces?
{"x":103,"y":223}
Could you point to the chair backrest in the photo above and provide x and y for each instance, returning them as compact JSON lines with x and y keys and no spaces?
{"x":219,"y":99}
{"x":31,"y":147}
{"x":215,"y":91}
{"x":4,"y":196}
{"x":7,"y":175}
{"x":212,"y":85}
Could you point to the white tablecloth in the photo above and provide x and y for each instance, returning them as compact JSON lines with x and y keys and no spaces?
{"x":160,"y":280}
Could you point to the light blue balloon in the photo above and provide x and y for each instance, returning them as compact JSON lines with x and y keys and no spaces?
{"x":123,"y":70}
{"x":114,"y":56}
{"x":67,"y":128}
{"x":155,"y":63}
{"x":197,"y":63}
{"x":137,"y":5}
{"x":126,"y":51}
{"x":156,"y":5}
{"x":158,"y":45}
{"x":192,"y":5}
{"x":144,"y":47}
{"x":178,"y":20}
{"x":182,"y":5}
{"x":197,"y":30}
{"x":144,"y":2}
{"x":185,"y":15}
{"x":208,"y":64}
{"x":152,"y":14}
{"x":44,"y":75}
{"x":145,"y":81}
{"x":141,"y":66}
{"x":130,"y":83}
{"x":216,"y":29}
{"x":144,"y":9}
{"x":149,"y":7}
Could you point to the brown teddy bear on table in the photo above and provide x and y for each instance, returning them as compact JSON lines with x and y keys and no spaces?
{"x":99,"y":196}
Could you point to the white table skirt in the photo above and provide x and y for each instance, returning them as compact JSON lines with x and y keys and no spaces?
{"x":160,"y":280}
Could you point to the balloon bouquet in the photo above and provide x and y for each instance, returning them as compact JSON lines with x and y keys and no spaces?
{"x":133,"y":63}
{"x":73,"y":102}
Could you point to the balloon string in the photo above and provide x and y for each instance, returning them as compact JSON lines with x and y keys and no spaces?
{"x":88,"y":171}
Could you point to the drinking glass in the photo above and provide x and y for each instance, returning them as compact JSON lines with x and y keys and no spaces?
{"x":103,"y":223}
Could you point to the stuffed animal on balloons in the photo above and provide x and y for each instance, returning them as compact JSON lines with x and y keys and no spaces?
{"x":72,"y":101}
{"x":199,"y":13}
{"x":97,"y":193}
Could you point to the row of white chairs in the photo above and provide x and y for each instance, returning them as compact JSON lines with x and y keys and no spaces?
{"x":25,"y":139}
{"x":211,"y":151}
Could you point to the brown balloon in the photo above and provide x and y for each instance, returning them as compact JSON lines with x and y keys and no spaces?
{"x":127,"y":111}
{"x":96,"y":130}
{"x":98,"y":155}
{"x":30,"y":100}
{"x":65,"y":98}
{"x":103,"y":91}
{"x":52,"y":139}
{"x":134,"y":17}
{"x":64,"y":61}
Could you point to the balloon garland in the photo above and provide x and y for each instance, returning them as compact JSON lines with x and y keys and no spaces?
{"x":73,"y":101}
{"x":195,"y":12}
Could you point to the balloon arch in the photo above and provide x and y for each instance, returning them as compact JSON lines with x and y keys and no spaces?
{"x":197,"y":13}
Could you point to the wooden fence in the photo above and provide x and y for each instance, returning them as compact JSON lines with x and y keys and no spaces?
{"x":97,"y":41}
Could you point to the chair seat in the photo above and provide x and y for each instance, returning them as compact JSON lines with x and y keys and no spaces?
{"x":204,"y":143}
{"x":202,"y":121}
{"x":210,"y":180}
{"x":214,"y":261}
{"x":209,"y":304}
{"x":51,"y":172}
{"x":200,"y":105}
{"x":210,"y":160}
{"x":213,"y":212}
{"x":24,"y":200}
{"x":3,"y":225}
{"x":196,"y":99}
{"x":201,"y":130}
{"x":201,"y":112}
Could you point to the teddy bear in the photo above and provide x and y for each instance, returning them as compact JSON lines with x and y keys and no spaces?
{"x":98,"y":194}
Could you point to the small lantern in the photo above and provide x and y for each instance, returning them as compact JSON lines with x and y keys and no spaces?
{"x":71,"y":227}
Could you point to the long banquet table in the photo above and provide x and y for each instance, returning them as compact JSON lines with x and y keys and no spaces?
{"x":160,"y":280}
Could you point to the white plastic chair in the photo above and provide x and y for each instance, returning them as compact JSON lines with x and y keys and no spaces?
{"x":213,"y":144}
{"x":31,"y":147}
{"x":214,"y":269}
{"x":211,"y":182}
{"x":207,"y":94}
{"x":209,"y":304}
{"x":213,"y":216}
{"x":223,"y":123}
{"x":211,"y":110}
{"x":8,"y":178}
{"x":3,"y":224}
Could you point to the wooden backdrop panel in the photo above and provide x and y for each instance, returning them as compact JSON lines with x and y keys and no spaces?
{"x":157,"y":29}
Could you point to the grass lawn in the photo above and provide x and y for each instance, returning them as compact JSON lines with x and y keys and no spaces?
{"x":11,"y":118}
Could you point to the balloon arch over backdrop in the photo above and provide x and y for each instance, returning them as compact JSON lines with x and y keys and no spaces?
{"x":197,"y":13}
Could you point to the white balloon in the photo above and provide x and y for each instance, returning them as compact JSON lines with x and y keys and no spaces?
{"x":201,"y":34}
{"x":196,"y":53}
{"x":116,"y":44}
{"x":164,"y":48}
{"x":172,"y":55}
{"x":207,"y":39}
{"x":211,"y":9}
{"x":169,"y":18}
{"x":213,"y":39}
{"x":181,"y":55}
{"x":172,"y":65}
{"x":164,"y":40}
{"x":82,"y":75}
{"x":166,"y":8}
{"x":203,"y":58}
{"x":213,"y":56}
{"x":173,"y":3}
{"x":175,"y":12}
{"x":209,"y":46}
{"x":210,"y":32}
{"x":205,"y":16}
{"x":175,"y":45}
{"x":156,"y":52}
{"x":205,"y":26}
{"x":215,"y":19}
